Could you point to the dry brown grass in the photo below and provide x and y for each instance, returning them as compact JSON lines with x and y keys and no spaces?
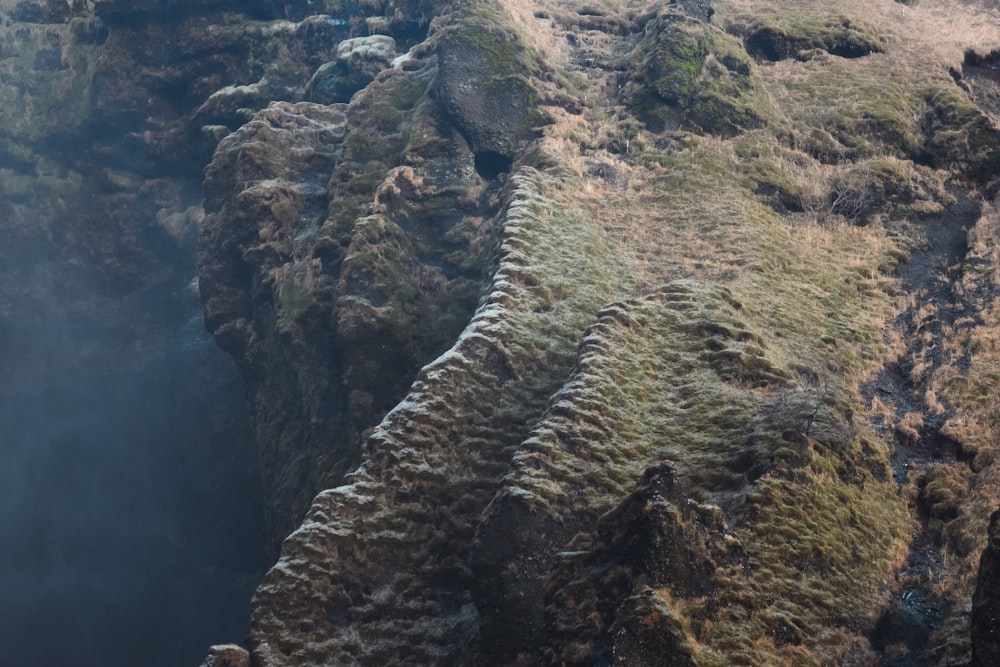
{"x":818,"y":288}
{"x":941,"y":30}
{"x":533,"y":23}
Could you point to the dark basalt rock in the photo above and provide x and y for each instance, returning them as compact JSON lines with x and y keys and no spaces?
{"x":341,"y":251}
{"x":986,"y":602}
{"x":484,"y":91}
{"x":656,"y":540}
{"x":256,"y":205}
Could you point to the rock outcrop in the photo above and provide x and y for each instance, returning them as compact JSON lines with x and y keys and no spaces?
{"x":647,"y":443}
{"x":986,"y":601}
{"x":344,"y":248}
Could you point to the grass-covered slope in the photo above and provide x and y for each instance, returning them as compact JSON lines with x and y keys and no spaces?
{"x":726,"y":397}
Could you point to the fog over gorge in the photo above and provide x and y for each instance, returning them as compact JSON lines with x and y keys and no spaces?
{"x":130,"y":516}
{"x":122,"y":533}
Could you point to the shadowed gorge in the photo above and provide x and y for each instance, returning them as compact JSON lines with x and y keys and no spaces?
{"x":636,"y":332}
{"x":114,"y":491}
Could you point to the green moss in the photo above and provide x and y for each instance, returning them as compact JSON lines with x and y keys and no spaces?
{"x":379,"y":130}
{"x":690,"y":75}
{"x":293,"y":300}
{"x":664,"y":376}
{"x":764,"y":169}
{"x":819,"y":550}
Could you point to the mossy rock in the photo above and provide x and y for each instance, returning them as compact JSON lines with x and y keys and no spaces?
{"x":959,"y":136}
{"x":484,"y":86}
{"x":649,"y":631}
{"x":378,"y":131}
{"x":879,"y":186}
{"x":786,"y":35}
{"x":686,"y":74}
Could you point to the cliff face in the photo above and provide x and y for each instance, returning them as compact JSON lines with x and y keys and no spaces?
{"x":725,"y":395}
{"x":652,"y":333}
{"x":717,"y":403}
{"x":331,"y":314}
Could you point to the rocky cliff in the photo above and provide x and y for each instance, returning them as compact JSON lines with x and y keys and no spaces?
{"x":623,"y":332}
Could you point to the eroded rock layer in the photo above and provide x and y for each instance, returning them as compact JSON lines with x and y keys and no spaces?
{"x":627,"y":333}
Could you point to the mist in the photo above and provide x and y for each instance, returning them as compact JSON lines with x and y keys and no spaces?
{"x":130,"y":498}
{"x":129,"y":531}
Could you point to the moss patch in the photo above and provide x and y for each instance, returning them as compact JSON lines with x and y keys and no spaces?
{"x":777,"y":36}
{"x":688,"y":74}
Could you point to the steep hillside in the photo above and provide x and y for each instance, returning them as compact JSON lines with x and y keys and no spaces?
{"x":623,"y":332}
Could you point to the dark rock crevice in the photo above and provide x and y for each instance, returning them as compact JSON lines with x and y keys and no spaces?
{"x":923,"y":454}
{"x":986,"y":601}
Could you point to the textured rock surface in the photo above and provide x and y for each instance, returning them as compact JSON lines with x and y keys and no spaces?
{"x":650,"y":443}
{"x":986,"y":601}
{"x":359,"y":60}
{"x":343,"y":248}
{"x":617,"y":333}
{"x":111,"y":111}
{"x":259,"y":205}
{"x":483,"y":86}
{"x":439,"y":453}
